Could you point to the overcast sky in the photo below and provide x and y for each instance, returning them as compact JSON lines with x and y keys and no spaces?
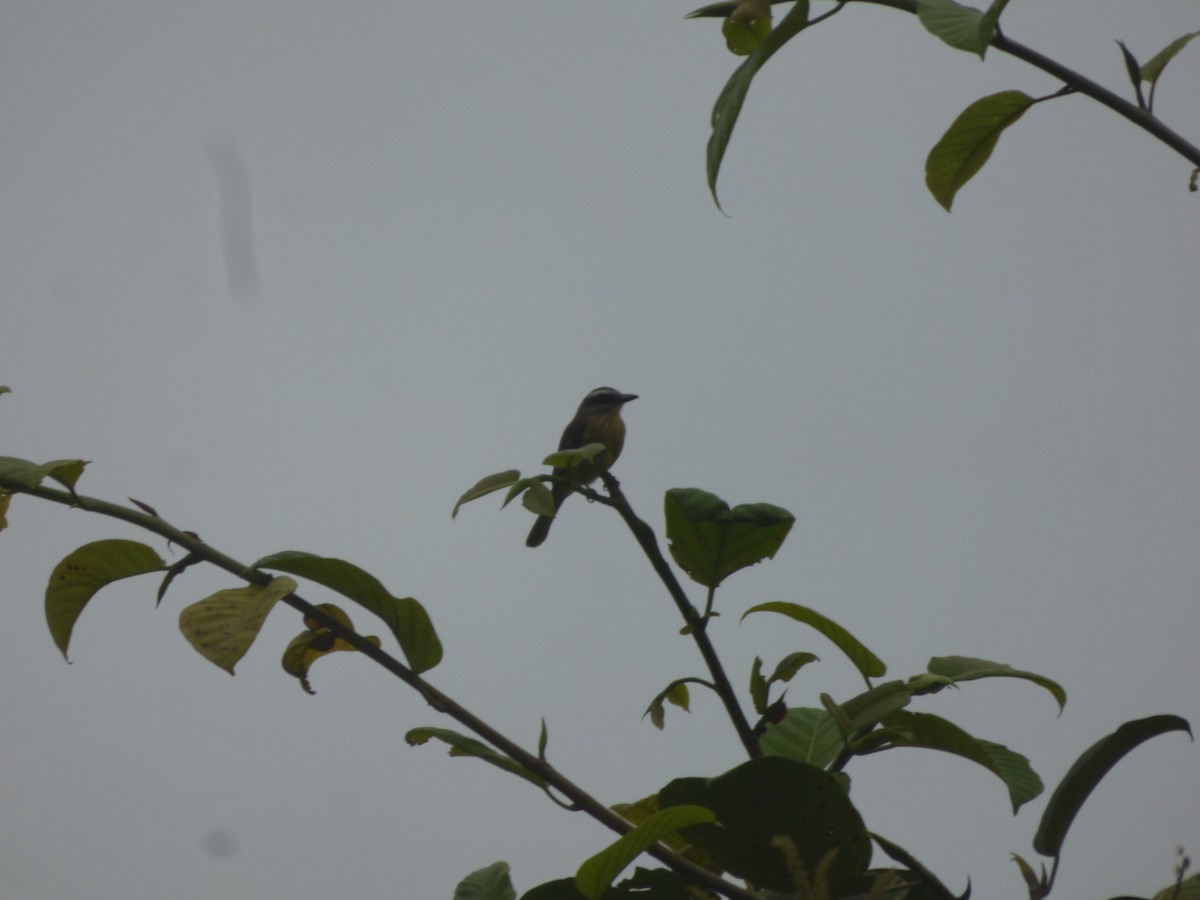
{"x":464,"y":217}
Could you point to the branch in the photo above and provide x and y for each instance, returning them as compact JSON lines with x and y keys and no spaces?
{"x":695,"y":622}
{"x":1140,"y":117}
{"x":439,"y":701}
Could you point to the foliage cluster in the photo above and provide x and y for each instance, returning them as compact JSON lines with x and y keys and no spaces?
{"x":960,"y":153}
{"x":780,"y":824}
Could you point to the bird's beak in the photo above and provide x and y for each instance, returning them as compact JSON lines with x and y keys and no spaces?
{"x":625,"y":398}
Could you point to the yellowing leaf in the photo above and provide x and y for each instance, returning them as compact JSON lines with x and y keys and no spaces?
{"x":23,"y":473}
{"x":309,"y":646}
{"x":223,"y":626}
{"x":404,"y":616}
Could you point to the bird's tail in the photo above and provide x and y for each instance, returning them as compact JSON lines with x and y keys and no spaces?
{"x":538,"y":532}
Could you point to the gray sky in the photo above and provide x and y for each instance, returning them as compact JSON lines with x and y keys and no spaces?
{"x":464,"y":218}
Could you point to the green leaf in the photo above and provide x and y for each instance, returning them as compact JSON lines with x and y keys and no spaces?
{"x":729,"y":103}
{"x":559,"y":889}
{"x":787,"y":668}
{"x":485,"y":486}
{"x":1082,"y":778}
{"x":902,"y":856}
{"x":966,"y":668}
{"x":1154,"y":68}
{"x":518,"y":488}
{"x":969,"y":141}
{"x":538,"y":499}
{"x":870,"y":665}
{"x":462,"y":745}
{"x":758,"y":687}
{"x":844,"y":725}
{"x":990,"y":18}
{"x":1134,"y":71}
{"x":710,"y":541}
{"x":641,"y":810}
{"x":675,"y":693}
{"x":1187,"y":889}
{"x":404,"y":616}
{"x":867,"y":708}
{"x":655,"y":884}
{"x":24,"y":474}
{"x":805,"y":735}
{"x":1035,"y":885}
{"x":935,"y":733}
{"x":743,"y":35}
{"x":77,"y":578}
{"x":962,"y":27}
{"x":598,"y":872}
{"x":926,"y":683}
{"x":781,"y":821}
{"x":222,"y":626}
{"x":1023,"y":783}
{"x":713,"y":11}
{"x":490,"y":883}
{"x":568,"y":459}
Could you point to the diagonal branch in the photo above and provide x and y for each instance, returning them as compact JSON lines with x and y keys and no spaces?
{"x":441,"y":702}
{"x":1084,"y":85}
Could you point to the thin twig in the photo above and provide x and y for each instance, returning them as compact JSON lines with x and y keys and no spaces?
{"x":696,"y":623}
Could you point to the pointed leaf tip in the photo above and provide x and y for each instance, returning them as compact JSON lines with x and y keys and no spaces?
{"x":870,"y":665}
{"x":222,"y":626}
{"x":1087,"y":772}
{"x":598,"y":873}
{"x":485,"y":486}
{"x":82,"y":573}
{"x":405,"y":616}
{"x":1153,"y":69}
{"x":729,"y":102}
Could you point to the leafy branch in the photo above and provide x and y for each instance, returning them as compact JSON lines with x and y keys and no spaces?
{"x":782,"y":821}
{"x":16,"y":478}
{"x":969,"y":141}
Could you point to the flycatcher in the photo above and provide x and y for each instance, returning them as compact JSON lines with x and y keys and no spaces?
{"x":597,"y":421}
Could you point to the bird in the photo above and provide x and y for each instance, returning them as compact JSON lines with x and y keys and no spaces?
{"x":597,"y":421}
